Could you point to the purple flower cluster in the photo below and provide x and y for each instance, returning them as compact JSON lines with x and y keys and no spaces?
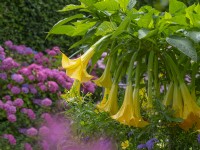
{"x":2,"y":53}
{"x":10,"y":138}
{"x":8,"y":63}
{"x":31,"y":132}
{"x":149,"y":144}
{"x":29,"y":112}
{"x":17,"y":78}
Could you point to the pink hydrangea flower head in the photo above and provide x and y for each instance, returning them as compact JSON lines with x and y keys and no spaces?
{"x":31,"y":114}
{"x":12,"y":118}
{"x":10,"y":138}
{"x":27,"y":146}
{"x":15,"y":90}
{"x":18,"y":102}
{"x":31,"y":132}
{"x":8,"y":43}
{"x":46,"y":102}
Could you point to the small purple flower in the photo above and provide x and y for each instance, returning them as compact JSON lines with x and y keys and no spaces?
{"x":7,"y":97}
{"x":52,"y":86}
{"x":25,"y":90}
{"x":10,"y":138}
{"x":198,"y":138}
{"x":18,"y":102}
{"x":11,"y":118}
{"x":43,"y":131}
{"x":31,"y":77}
{"x":141,"y":146}
{"x":52,"y":53}
{"x":47,"y":117}
{"x":27,"y":146}
{"x":42,"y":87}
{"x":41,"y":76}
{"x":15,"y":90}
{"x":25,"y":71}
{"x":31,"y":132}
{"x":22,"y":130}
{"x":11,"y":110}
{"x":46,"y":102}
{"x":31,"y":114}
{"x":3,"y":76}
{"x":8,"y":43}
{"x":150,"y":143}
{"x":8,"y":63}
{"x":17,"y":78}
{"x":24,"y":110}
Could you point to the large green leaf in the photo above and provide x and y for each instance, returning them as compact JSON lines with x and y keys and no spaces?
{"x":88,"y":2}
{"x":61,"y":22}
{"x":108,"y":5}
{"x":105,"y":27}
{"x":184,"y":45}
{"x":146,"y":21}
{"x":176,"y":7}
{"x":64,"y":29}
{"x":131,"y":4}
{"x":194,"y":35}
{"x":72,"y":7}
{"x":81,"y":29}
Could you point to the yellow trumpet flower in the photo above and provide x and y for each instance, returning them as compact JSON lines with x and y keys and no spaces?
{"x":111,"y":106}
{"x":129,"y":113}
{"x":191,"y":111}
{"x":169,"y":95}
{"x":137,"y":120}
{"x":76,"y":68}
{"x":177,"y":104}
{"x":105,"y":80}
{"x":105,"y":98}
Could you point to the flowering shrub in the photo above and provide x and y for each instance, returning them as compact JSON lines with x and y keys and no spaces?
{"x":31,"y":86}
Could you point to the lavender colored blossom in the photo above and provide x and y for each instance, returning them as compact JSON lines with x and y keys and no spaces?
{"x":9,"y":86}
{"x":45,"y":145}
{"x":12,"y":118}
{"x":24,"y":110}
{"x":10,"y":138}
{"x":25,"y":71}
{"x":32,"y":89}
{"x":25,"y":90}
{"x":37,"y":101}
{"x":141,"y":146}
{"x":11,"y":109}
{"x":56,"y":49}
{"x":9,"y":102}
{"x":47,"y":117}
{"x":198,"y":138}
{"x":17,"y":78}
{"x":88,"y":87}
{"x":42,"y":86}
{"x":150,"y":143}
{"x":15,"y":90}
{"x":43,"y":131}
{"x":52,"y":86}
{"x":52,"y":53}
{"x":46,"y":102}
{"x":8,"y":63}
{"x":8,"y":43}
{"x":22,"y":130}
{"x":7,"y":97}
{"x":18,"y":102}
{"x":41,"y":76}
{"x":31,"y":132}
{"x":3,"y":76}
{"x":31,"y":114}
{"x":27,"y":146}
{"x":31,"y":77}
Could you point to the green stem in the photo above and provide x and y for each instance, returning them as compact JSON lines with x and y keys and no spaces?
{"x":130,"y":68}
{"x":137,"y":74}
{"x":118,"y":72}
{"x":156,"y":83}
{"x":195,"y":69}
{"x":150,"y":74}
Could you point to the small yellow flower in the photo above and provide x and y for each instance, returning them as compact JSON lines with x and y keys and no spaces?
{"x":160,"y":75}
{"x":125,"y":144}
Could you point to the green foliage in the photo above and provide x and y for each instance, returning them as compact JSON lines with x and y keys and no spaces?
{"x":27,"y":22}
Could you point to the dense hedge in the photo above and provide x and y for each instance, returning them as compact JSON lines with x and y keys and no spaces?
{"x":27,"y":21}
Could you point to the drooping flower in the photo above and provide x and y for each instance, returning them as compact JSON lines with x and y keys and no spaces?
{"x":111,"y":106}
{"x":105,"y":80}
{"x":76,"y":68}
{"x":191,"y":111}
{"x":105,"y":98}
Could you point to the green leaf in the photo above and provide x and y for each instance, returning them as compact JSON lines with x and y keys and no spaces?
{"x":88,"y":2}
{"x":194,"y":35}
{"x":146,"y":21}
{"x":71,"y":7}
{"x":105,"y":27}
{"x":123,"y":4}
{"x":81,"y":29}
{"x":184,"y":45}
{"x":146,"y":33}
{"x":176,"y":7}
{"x":131,"y":4}
{"x":108,"y":5}
{"x":61,"y":22}
{"x":64,"y":29}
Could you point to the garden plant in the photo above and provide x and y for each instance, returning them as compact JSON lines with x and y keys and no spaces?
{"x":156,"y":55}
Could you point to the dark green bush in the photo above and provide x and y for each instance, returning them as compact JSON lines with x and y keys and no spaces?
{"x":28,"y":21}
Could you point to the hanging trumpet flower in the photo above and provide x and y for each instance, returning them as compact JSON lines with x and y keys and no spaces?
{"x":111,"y":105}
{"x":129,"y":113}
{"x":105,"y":80}
{"x":105,"y":98}
{"x":76,"y":68}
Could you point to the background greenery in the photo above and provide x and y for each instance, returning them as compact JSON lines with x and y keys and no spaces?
{"x":28,"y":21}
